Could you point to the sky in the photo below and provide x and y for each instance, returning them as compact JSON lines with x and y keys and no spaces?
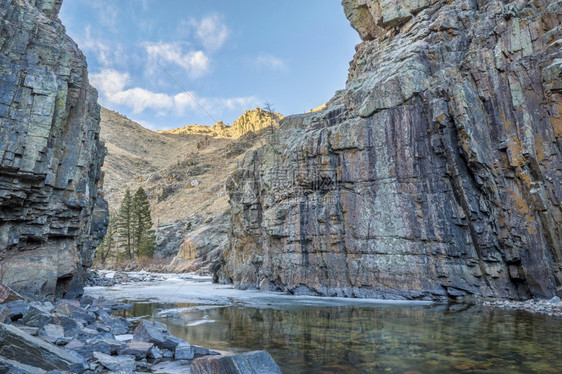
{"x":169,"y":63}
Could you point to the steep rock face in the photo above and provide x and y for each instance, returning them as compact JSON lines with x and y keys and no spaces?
{"x":51,"y":216}
{"x":435,"y":173}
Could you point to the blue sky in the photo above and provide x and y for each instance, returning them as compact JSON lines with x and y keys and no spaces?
{"x":230,"y":55}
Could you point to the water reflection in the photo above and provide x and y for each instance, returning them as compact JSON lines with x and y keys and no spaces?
{"x":377,"y":339}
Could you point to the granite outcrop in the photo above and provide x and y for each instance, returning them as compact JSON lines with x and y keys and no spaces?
{"x":436,"y":173}
{"x":51,"y":214}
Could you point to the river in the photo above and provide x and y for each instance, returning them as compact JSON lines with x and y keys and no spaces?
{"x":335,"y":335}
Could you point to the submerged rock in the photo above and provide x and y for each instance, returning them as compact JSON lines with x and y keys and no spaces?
{"x":435,"y":173}
{"x":257,"y":362}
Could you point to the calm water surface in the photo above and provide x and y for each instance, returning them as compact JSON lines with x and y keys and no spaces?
{"x":373,"y":338}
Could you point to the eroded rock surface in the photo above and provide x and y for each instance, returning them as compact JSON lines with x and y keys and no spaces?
{"x":51,"y":215}
{"x":435,"y":173}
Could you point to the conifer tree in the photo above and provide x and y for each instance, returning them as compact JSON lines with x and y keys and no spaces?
{"x":125,"y":224}
{"x":143,"y":235}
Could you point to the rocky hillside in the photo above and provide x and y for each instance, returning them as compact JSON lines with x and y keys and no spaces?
{"x":183,"y":171}
{"x":51,"y":215}
{"x":436,"y":172}
{"x":251,"y":121}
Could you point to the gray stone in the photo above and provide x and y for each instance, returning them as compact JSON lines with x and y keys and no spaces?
{"x":36,"y":317}
{"x":150,"y":332}
{"x":13,"y":367}
{"x":203,"y":246}
{"x":4,"y":313}
{"x":20,"y":346}
{"x":155,"y":354}
{"x":117,"y":364}
{"x":118,"y":326}
{"x":201,"y":351}
{"x":257,"y":362}
{"x":51,"y":333}
{"x":138,"y":349}
{"x":17,"y":309}
{"x":184,"y":351}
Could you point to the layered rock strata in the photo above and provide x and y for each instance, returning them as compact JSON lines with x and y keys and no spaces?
{"x":51,"y":215}
{"x":435,"y":173}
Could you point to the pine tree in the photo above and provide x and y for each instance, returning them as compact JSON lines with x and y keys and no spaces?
{"x":125,"y":224}
{"x":143,"y":235}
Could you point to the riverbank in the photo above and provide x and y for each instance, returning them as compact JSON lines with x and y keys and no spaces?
{"x":552,"y":307}
{"x":83,"y":336}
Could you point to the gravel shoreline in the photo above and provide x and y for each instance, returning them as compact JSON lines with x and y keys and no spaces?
{"x":552,"y":307}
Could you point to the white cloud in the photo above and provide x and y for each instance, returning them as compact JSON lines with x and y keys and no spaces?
{"x":107,"y":54}
{"x":211,"y":31}
{"x":109,"y":82}
{"x":195,"y":62}
{"x":271,"y":62}
{"x":112,"y":87}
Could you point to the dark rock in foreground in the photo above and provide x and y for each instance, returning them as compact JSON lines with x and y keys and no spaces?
{"x":19,"y":346}
{"x":257,"y":362}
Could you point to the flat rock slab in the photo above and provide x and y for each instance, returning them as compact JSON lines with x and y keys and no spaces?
{"x":14,"y":367}
{"x":256,"y":362}
{"x":117,"y":364}
{"x":19,"y":345}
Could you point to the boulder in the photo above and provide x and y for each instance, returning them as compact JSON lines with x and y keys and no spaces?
{"x":138,"y":349}
{"x":257,"y":362}
{"x":150,"y":332}
{"x":184,"y":351}
{"x":22,"y":347}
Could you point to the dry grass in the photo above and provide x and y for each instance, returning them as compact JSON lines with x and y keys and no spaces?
{"x":165,"y":165}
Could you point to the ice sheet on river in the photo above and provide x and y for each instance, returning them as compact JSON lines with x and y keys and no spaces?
{"x":191,"y":288}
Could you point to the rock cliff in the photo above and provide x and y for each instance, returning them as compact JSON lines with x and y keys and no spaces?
{"x":435,"y":173}
{"x":251,"y":121}
{"x":51,"y":215}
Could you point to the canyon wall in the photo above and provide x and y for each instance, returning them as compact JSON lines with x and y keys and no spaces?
{"x":51,"y":214}
{"x":436,"y":173}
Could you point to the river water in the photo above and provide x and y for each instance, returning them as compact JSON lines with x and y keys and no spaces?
{"x":334,"y":335}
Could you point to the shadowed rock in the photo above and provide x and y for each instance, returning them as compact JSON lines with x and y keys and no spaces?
{"x":51,"y":215}
{"x":257,"y":362}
